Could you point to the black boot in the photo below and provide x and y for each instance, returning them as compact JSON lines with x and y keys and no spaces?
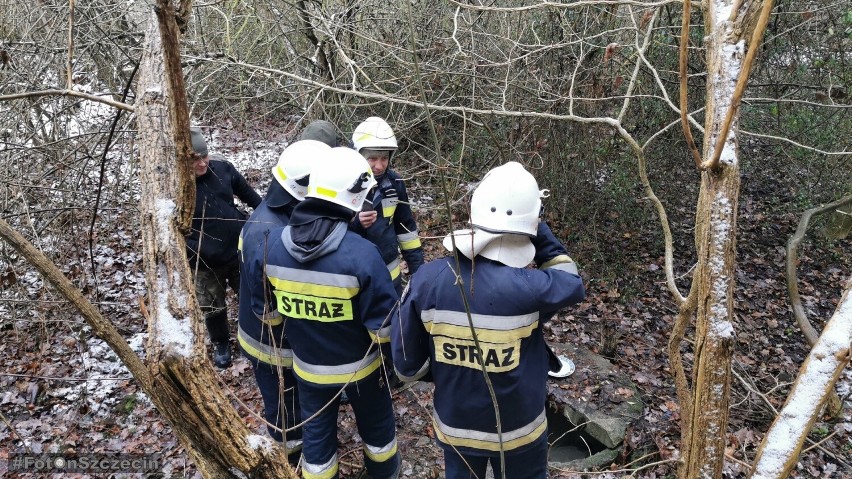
{"x":222,"y":355}
{"x":217,"y":328}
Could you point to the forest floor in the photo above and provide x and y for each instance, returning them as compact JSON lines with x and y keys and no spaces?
{"x":62,"y":390}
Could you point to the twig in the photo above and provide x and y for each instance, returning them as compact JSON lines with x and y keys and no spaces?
{"x":684,"y":84}
{"x":15,"y":432}
{"x":74,"y":93}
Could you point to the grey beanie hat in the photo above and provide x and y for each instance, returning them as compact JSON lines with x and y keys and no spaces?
{"x":198,"y":143}
{"x":321,"y":130}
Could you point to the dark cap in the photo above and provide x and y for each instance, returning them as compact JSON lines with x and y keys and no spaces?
{"x":198,"y":143}
{"x":321,"y":130}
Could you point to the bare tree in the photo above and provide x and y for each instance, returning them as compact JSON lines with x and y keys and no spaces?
{"x":585,"y":93}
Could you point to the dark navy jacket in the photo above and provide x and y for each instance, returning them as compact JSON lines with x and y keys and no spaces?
{"x":217,"y":215}
{"x":334,"y":305}
{"x":395,"y":228}
{"x":261,"y":336}
{"x":508,"y":306}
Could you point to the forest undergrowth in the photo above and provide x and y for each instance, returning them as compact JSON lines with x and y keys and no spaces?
{"x":61,"y":390}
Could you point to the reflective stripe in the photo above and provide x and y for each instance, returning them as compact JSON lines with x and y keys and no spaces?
{"x":409,"y":240}
{"x":494,"y":329}
{"x":389,"y":207}
{"x":562,"y":262}
{"x":319,"y":190}
{"x":382,"y":335}
{"x":381,"y":454}
{"x":419,"y":374}
{"x":240,"y":243}
{"x":264,"y":352}
{"x":281,"y":172}
{"x":393,"y":268}
{"x":315,"y":283}
{"x":272,"y":318}
{"x":338,"y":374}
{"x":490,"y":441}
{"x":320,"y":471}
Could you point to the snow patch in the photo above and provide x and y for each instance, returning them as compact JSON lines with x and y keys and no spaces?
{"x":784,"y":435}
{"x":105,"y":373}
{"x":723,"y":10}
{"x":720,"y":325}
{"x":256,"y":441}
{"x":171,"y":330}
{"x":164,"y":209}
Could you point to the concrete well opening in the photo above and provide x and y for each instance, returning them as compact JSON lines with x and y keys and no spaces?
{"x":568,"y":442}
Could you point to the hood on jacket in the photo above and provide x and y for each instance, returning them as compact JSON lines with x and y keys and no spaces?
{"x":277,"y":196}
{"x":316,"y":229}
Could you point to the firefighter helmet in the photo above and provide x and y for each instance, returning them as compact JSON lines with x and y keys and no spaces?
{"x":507,"y":200}
{"x":374,"y":133}
{"x":295,"y":163}
{"x":344,"y":178}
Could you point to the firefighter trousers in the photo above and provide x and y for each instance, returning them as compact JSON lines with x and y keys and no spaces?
{"x":530,"y":464}
{"x":280,"y":395}
{"x":371,"y":403}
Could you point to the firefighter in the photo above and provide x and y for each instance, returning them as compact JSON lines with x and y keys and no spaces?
{"x":508,"y":304}
{"x":386,"y":219}
{"x":212,"y":243}
{"x":333,"y":292}
{"x":261,"y":329}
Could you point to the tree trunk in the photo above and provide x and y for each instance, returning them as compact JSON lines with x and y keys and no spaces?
{"x":703,"y":441}
{"x":216,"y":437}
{"x":782,"y":445}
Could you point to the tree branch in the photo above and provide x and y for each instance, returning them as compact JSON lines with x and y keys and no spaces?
{"x":754,"y":43}
{"x":74,"y":93}
{"x":684,"y":85}
{"x":793,"y":243}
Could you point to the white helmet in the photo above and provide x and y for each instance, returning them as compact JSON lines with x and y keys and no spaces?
{"x":295,"y":164}
{"x":344,"y":178}
{"x":374,"y":133}
{"x":507,"y":200}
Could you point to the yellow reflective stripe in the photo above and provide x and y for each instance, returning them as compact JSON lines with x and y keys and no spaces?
{"x":340,"y":374}
{"x":320,"y":471}
{"x":264,"y":352}
{"x":381,"y":454}
{"x":328,"y":193}
{"x":314,"y":283}
{"x":393,"y":268}
{"x":281,"y":172}
{"x":381,"y":336}
{"x":240,"y":243}
{"x":562,"y":258}
{"x":409,"y":240}
{"x":413,"y":244}
{"x":489,"y":335}
{"x":490,"y":441}
{"x":494,"y":329}
{"x":271,"y":318}
{"x":389,"y":207}
{"x":313,"y":289}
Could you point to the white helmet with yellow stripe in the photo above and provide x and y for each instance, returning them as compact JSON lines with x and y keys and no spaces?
{"x":295,"y":164}
{"x":374,"y":133}
{"x":344,"y":178}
